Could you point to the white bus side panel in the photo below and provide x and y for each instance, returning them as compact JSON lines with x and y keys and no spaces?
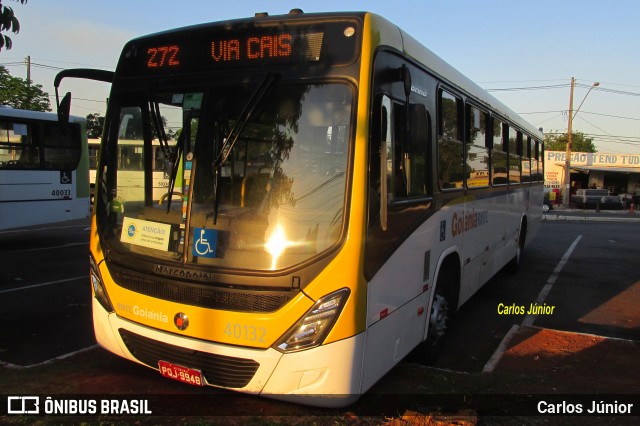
{"x":33,"y":197}
{"x":397,"y":302}
{"x":482,"y":239}
{"x":476,"y":229}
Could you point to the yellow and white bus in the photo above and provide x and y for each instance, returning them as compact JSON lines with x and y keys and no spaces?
{"x":44,"y":169}
{"x":338,"y":191}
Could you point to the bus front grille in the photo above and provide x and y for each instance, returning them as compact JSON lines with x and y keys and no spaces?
{"x":205,"y":296}
{"x":219,"y":370}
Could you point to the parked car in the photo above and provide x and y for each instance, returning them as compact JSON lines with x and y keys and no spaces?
{"x":596,"y":198}
{"x":611,"y":202}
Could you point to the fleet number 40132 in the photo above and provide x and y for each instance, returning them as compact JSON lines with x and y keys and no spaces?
{"x":249,"y":333}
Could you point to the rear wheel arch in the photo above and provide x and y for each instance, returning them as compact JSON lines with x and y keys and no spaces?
{"x":514,"y":264}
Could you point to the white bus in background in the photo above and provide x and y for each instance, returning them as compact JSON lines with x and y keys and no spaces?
{"x":131,"y":166}
{"x":44,"y":170}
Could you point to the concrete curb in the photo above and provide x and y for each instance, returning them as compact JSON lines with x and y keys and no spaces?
{"x":562,"y":217}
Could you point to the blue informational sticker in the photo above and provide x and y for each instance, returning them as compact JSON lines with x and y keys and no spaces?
{"x":205,"y":242}
{"x":443,"y":230}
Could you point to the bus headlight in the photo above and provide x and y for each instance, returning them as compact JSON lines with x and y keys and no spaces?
{"x":313,"y":327}
{"x":98,"y":287}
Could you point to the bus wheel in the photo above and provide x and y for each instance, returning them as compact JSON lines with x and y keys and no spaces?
{"x":514,"y":264}
{"x":438,"y":321}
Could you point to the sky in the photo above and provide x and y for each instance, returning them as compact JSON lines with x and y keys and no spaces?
{"x":524,"y":52}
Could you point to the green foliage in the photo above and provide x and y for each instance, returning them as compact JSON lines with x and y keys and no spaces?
{"x":579,"y":142}
{"x":95,"y":123}
{"x":18,"y":93}
{"x":8,"y":22}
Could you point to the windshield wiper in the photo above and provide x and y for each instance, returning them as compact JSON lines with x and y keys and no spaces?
{"x":230,"y":140}
{"x":158,"y":125}
{"x":244,"y":117}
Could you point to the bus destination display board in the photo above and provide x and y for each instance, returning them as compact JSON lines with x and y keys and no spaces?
{"x":205,"y":48}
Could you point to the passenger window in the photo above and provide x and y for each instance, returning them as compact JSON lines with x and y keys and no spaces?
{"x":477,"y":154}
{"x":526,"y":161}
{"x":537,"y":160}
{"x":416,"y":161}
{"x":17,"y":148}
{"x":61,"y":151}
{"x":450,"y":146}
{"x":515,"y":142}
{"x":405,"y":152}
{"x":498,"y":154}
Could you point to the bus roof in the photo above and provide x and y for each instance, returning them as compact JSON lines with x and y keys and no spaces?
{"x":257,"y":20}
{"x":7,"y":111}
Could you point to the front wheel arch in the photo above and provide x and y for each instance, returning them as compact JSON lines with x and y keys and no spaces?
{"x":444,"y":304}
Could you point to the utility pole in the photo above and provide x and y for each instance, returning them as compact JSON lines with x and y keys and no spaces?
{"x":28,"y":62}
{"x":567,"y":162}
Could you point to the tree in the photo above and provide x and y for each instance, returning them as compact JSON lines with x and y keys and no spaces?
{"x":18,"y":93}
{"x":8,"y":22}
{"x":95,"y":123}
{"x":579,"y":142}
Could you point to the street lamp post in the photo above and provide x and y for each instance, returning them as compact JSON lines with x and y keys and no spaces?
{"x":567,"y":163}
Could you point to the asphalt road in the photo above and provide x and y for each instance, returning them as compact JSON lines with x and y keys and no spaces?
{"x":45,"y":294}
{"x":595,"y":291}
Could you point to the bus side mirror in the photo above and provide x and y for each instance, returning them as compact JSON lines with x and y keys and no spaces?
{"x":64,"y":111}
{"x":405,"y":77}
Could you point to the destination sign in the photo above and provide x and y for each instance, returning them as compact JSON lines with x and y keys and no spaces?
{"x":212,"y":47}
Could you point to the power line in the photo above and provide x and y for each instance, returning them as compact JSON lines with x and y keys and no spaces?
{"x":12,"y":64}
{"x":562,"y":86}
{"x":513,"y":89}
{"x":588,"y":122}
{"x":82,"y":99}
{"x":519,"y":81}
{"x":542,"y":112}
{"x":604,"y":89}
{"x":563,"y":112}
{"x":75,"y":63}
{"x":15,"y":62}
{"x":610,"y":116}
{"x":548,"y":119}
{"x":614,"y":137}
{"x":49,"y":67}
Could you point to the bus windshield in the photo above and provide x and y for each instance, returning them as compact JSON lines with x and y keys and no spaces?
{"x":255,"y":173}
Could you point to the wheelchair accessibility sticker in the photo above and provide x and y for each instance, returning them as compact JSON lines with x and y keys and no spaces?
{"x":205,"y":242}
{"x":66,"y":177}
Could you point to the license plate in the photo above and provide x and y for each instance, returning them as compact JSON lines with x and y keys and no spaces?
{"x":180,"y":373}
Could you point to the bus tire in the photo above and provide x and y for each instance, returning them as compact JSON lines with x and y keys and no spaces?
{"x":439,"y":316}
{"x":514,"y":264}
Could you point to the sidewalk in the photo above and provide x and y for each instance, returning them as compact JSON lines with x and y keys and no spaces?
{"x":590,"y":215}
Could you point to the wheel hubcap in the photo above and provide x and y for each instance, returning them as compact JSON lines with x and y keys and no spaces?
{"x":439,"y":315}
